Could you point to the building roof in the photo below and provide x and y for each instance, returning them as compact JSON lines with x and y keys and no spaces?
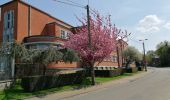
{"x":23,"y":2}
{"x":59,"y":25}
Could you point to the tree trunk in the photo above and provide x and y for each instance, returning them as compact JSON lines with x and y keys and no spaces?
{"x":44,"y":69}
{"x":127,"y":63}
{"x":92,"y":74}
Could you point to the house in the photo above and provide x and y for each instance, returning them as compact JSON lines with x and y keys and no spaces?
{"x":25,"y":23}
{"x":115,"y":59}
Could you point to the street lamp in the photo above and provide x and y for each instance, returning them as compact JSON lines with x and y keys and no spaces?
{"x":144,"y":57}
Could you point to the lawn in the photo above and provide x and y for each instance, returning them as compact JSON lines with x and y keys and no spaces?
{"x":106,"y":79}
{"x":17,"y":93}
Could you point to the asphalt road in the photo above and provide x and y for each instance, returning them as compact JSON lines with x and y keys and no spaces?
{"x":153,"y":86}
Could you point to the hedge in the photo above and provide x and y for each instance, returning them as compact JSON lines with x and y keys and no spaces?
{"x":36,"y":83}
{"x":23,"y":70}
{"x":109,"y":73}
{"x":132,"y":70}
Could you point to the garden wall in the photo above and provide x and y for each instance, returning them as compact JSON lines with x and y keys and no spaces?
{"x":5,"y":84}
{"x":109,"y":73}
{"x":36,"y":83}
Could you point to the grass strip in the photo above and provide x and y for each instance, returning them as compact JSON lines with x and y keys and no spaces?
{"x":17,"y":93}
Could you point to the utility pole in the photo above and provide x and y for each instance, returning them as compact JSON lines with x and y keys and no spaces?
{"x":88,"y":25}
{"x":144,"y":56}
{"x":118,"y":61}
{"x":89,"y":43}
{"x":121,"y":48}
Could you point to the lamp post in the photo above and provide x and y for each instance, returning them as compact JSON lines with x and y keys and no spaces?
{"x":144,"y":56}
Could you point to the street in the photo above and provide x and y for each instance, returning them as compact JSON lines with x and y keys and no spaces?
{"x":153,"y":86}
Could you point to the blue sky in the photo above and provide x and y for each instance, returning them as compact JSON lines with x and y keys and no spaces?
{"x":143,"y":18}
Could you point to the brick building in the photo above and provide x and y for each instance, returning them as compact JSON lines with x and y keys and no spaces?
{"x":25,"y":23}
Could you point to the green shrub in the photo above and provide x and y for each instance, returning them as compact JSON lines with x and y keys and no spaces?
{"x":132,"y":70}
{"x":36,"y":83}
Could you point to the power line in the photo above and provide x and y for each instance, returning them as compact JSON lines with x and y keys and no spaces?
{"x":71,"y":4}
{"x":75,"y":3}
{"x":135,"y":41}
{"x":81,"y":6}
{"x":119,"y":30}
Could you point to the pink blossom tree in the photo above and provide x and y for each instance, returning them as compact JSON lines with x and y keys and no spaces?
{"x":103,"y":40}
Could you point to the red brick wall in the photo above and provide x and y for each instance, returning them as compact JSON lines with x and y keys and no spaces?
{"x":22,"y":22}
{"x":64,"y":65}
{"x":39,"y":23}
{"x":109,"y":63}
{"x":121,"y":46}
{"x":39,"y":26}
{"x":50,"y":30}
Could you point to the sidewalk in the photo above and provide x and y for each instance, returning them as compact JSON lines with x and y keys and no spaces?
{"x":67,"y":94}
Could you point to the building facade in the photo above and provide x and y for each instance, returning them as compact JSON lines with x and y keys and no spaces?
{"x":25,"y":23}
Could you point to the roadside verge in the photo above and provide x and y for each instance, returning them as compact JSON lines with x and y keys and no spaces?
{"x":71,"y":93}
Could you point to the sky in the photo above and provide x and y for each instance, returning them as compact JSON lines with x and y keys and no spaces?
{"x":145,"y":19}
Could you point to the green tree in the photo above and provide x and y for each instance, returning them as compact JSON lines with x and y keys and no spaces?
{"x":163,"y":51}
{"x":149,"y":57}
{"x":43,"y":57}
{"x":13,"y":51}
{"x":131,"y":54}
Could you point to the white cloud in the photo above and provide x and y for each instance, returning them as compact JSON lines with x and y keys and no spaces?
{"x":167,"y":25}
{"x":149,"y":23}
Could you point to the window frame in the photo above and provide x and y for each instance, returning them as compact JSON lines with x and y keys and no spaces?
{"x":64,"y":34}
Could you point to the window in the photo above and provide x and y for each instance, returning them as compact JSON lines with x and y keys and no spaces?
{"x":1,"y":67}
{"x":39,"y":46}
{"x":8,"y":16}
{"x":8,"y":26}
{"x":114,"y":59}
{"x":67,"y":35}
{"x":108,"y":58}
{"x":2,"y":64}
{"x":64,"y":34}
{"x":58,"y":46}
{"x":42,"y":46}
{"x":8,"y":20}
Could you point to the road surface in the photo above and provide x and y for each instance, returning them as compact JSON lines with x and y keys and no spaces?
{"x":153,"y":86}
